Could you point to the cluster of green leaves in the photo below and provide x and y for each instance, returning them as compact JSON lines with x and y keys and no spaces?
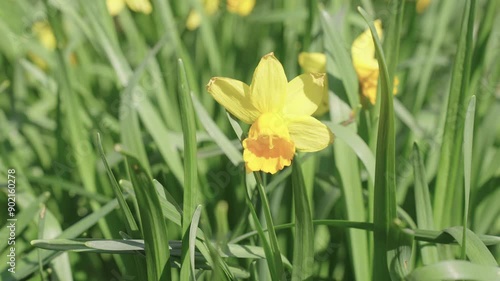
{"x":127,"y":168}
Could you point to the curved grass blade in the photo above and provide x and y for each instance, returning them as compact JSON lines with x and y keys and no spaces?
{"x":474,"y":248}
{"x":192,"y":238}
{"x":29,"y":263}
{"x":454,"y":270}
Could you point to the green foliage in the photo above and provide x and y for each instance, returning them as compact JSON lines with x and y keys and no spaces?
{"x":127,"y":169}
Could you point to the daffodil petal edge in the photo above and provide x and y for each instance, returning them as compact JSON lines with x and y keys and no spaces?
{"x":308,"y":133}
{"x":234,"y":96}
{"x":305,"y":93}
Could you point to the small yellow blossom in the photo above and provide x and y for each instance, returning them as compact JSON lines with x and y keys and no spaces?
{"x":44,"y":33}
{"x":194,"y":18}
{"x":316,"y":63}
{"x":422,"y":5}
{"x":240,"y":7}
{"x":279,"y":112}
{"x":116,"y":6}
{"x":365,"y":63}
{"x":45,"y":36}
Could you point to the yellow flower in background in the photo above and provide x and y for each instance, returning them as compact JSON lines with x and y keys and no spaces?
{"x":422,"y":5}
{"x":116,"y":6}
{"x":279,"y":112}
{"x":194,"y":18}
{"x":44,"y":34}
{"x":240,"y":7}
{"x":365,"y":63}
{"x":316,"y":63}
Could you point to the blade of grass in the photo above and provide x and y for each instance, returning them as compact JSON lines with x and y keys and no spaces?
{"x":29,"y":263}
{"x":269,"y":252}
{"x":451,"y":156}
{"x":347,"y":165}
{"x":384,"y":208}
{"x":425,"y":219}
{"x":153,"y":228}
{"x":454,"y":270}
{"x":131,"y":225}
{"x":190,"y":195}
{"x":192,"y":238}
{"x":467,"y":149}
{"x":303,"y":250}
{"x":475,"y":249}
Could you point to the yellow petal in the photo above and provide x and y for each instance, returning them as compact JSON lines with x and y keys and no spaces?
{"x":193,"y":20}
{"x":308,"y":134}
{"x":363,"y":47}
{"x":240,"y":7}
{"x":234,"y":96}
{"x":304,"y":94}
{"x":312,"y":62}
{"x":268,"y":147}
{"x":422,"y":5}
{"x":269,"y":85}
{"x":142,"y":6}
{"x":324,"y":104}
{"x":115,"y":6}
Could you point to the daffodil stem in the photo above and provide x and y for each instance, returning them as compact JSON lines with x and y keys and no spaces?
{"x":270,"y":225}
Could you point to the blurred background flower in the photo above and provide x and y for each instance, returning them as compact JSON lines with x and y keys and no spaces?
{"x":140,"y":6}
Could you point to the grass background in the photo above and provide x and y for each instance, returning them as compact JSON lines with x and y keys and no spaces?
{"x":118,"y":147}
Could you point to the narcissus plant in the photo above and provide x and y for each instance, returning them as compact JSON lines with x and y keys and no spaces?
{"x":279,"y":113}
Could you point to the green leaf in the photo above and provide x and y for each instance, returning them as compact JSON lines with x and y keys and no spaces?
{"x":153,"y":228}
{"x":190,"y":195}
{"x":29,"y":263}
{"x":424,"y":209}
{"x":468,"y":136}
{"x":384,"y":208}
{"x":192,"y":239}
{"x":131,"y":224}
{"x":454,"y":270}
{"x":447,"y":194}
{"x":475,"y":249}
{"x":303,"y":250}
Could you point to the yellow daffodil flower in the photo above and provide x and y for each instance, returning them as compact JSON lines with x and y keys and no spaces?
{"x":422,"y":5}
{"x":240,"y":7}
{"x":316,"y":63}
{"x":194,"y":18}
{"x":116,"y":6}
{"x":365,"y":63}
{"x":279,"y":112}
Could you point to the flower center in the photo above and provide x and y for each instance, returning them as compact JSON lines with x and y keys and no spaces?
{"x":268,"y":147}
